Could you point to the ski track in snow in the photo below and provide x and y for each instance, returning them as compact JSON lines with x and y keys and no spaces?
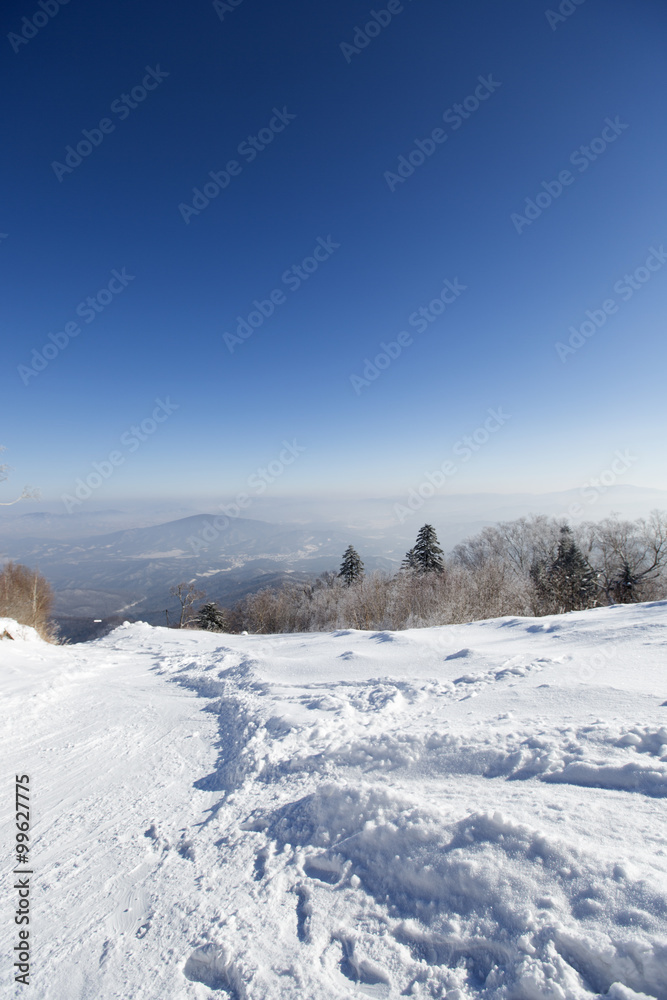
{"x":474,"y":813}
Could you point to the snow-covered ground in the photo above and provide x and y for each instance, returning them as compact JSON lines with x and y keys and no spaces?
{"x":474,"y":811}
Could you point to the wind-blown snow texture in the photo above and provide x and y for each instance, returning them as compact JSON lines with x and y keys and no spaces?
{"x":476,"y":811}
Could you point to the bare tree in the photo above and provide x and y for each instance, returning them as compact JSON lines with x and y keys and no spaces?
{"x":629,"y":556}
{"x":519,"y":544}
{"x":187,"y":594}
{"x":26,"y":494}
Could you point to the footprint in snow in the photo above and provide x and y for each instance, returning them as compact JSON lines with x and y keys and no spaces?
{"x":186,"y":850}
{"x":372,"y":980}
{"x":304,"y":910}
{"x":261,"y":859}
{"x":106,"y":950}
{"x":211,"y":966}
{"x":322,"y":869}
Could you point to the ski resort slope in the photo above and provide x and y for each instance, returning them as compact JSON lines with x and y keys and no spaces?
{"x":475,"y":811}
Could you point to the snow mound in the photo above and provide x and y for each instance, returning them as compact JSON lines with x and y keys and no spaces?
{"x":10,"y":629}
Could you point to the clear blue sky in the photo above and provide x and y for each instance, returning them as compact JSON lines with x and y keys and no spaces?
{"x":170,"y":92}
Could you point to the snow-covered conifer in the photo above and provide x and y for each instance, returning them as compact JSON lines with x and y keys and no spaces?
{"x":427,"y":553}
{"x":352,"y":568}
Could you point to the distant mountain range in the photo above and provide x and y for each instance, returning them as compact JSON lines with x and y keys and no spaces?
{"x":131,"y":572}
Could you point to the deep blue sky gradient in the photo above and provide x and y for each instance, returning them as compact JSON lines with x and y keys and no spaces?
{"x":162,"y":336}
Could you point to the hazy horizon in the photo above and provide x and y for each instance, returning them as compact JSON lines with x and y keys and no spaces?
{"x":391,"y":513}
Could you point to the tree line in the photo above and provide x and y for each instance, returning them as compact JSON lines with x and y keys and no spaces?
{"x":531,"y":566}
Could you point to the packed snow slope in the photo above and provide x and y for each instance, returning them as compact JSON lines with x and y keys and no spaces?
{"x":476,"y":811}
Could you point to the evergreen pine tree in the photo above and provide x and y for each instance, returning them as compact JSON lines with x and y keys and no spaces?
{"x":410,"y":561}
{"x":623,"y":586}
{"x":211,"y":618}
{"x":567,"y":583}
{"x":573,"y":581}
{"x":427,"y":553}
{"x":352,"y":568}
